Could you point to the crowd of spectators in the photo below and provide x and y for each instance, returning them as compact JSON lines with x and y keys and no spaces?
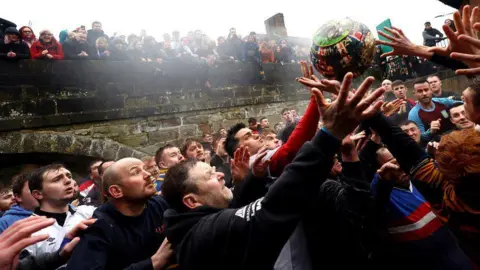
{"x":94,"y":44}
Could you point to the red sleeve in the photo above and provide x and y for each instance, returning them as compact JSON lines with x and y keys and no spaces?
{"x":59,"y":55}
{"x":303,"y":132}
{"x":272,"y":57}
{"x":35,"y":52}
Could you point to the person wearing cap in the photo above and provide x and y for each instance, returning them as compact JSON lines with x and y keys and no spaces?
{"x":12,"y":47}
{"x":430,"y":34}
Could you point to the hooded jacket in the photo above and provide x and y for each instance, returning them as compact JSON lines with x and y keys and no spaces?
{"x":20,"y":48}
{"x":15,"y":213}
{"x":252,"y":237}
{"x":54,"y":48}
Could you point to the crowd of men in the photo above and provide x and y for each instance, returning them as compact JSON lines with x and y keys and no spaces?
{"x":371,"y":179}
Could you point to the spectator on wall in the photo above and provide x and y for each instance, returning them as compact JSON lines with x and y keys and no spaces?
{"x":95,"y":33}
{"x":235,"y":44}
{"x":266,"y":51}
{"x":27,"y":35}
{"x":137,"y":53}
{"x":101,"y":49}
{"x":284,"y":52}
{"x":47,"y":47}
{"x":77,"y":48}
{"x":4,"y":24}
{"x":223,"y":51}
{"x":118,"y":50}
{"x":12,"y":46}
{"x":431,"y":35}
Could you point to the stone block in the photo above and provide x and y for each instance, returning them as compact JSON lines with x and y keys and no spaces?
{"x":163,"y":135}
{"x":188,"y":131}
{"x":11,"y":142}
{"x":134,"y":140}
{"x":138,"y":154}
{"x":80,"y":146}
{"x":109,"y":131}
{"x":124,"y":152}
{"x":110,"y":150}
{"x":196,"y":119}
{"x":97,"y":148}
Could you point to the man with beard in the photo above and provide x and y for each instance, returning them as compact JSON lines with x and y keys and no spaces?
{"x":53,"y":187}
{"x":205,"y":236}
{"x":128,"y":233}
{"x":7,"y":199}
{"x":430,"y":114}
{"x":193,"y":149}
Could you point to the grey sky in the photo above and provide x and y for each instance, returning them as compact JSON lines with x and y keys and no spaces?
{"x":215,"y":17}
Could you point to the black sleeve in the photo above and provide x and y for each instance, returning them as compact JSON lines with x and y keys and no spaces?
{"x":69,"y":51}
{"x":448,"y":62}
{"x":249,"y":190}
{"x":24,"y":53}
{"x":43,"y":261}
{"x":256,"y":233}
{"x":368,"y":157}
{"x":403,"y":148}
{"x":354,"y":175}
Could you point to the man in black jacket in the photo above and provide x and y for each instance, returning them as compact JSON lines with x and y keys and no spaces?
{"x":4,"y":24}
{"x":12,"y":47}
{"x":78,"y":48}
{"x":430,"y":34}
{"x":207,"y":236}
{"x":95,"y":33}
{"x":128,"y":233}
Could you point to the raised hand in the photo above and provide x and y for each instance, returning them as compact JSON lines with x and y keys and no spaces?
{"x":240,"y":164}
{"x":342,"y":116}
{"x":19,"y":236}
{"x":330,"y":86}
{"x":435,"y":126}
{"x":389,"y":108}
{"x":161,"y":257}
{"x":390,"y":171}
{"x":260,"y":167}
{"x":401,"y":44}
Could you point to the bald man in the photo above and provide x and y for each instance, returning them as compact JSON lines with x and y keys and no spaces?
{"x":129,"y":232}
{"x":389,"y":95}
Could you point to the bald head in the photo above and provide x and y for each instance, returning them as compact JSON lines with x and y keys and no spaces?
{"x":113,"y":175}
{"x":387,"y":84}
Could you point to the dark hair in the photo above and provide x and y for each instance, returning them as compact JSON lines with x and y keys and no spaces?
{"x":408,"y":122}
{"x":285,"y":110}
{"x":100,"y":169}
{"x":286,"y":132}
{"x":263,"y":118}
{"x":231,"y":144}
{"x":35,"y":181}
{"x":96,"y":22}
{"x":397,"y":83}
{"x":205,"y":134}
{"x":475,"y":87}
{"x":455,"y":105}
{"x":177,"y":183}
{"x":267,"y":131}
{"x":186,"y":144}
{"x":420,"y":81}
{"x":93,"y":162}
{"x":207,"y":146}
{"x":18,"y":183}
{"x":252,"y":120}
{"x":159,"y":153}
{"x":434,"y":75}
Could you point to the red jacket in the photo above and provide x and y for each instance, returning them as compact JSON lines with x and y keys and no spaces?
{"x":54,"y":48}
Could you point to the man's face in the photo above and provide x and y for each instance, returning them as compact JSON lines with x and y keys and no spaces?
{"x":57,"y":186}
{"x":294,"y":113}
{"x":171,"y":157}
{"x":383,"y":157}
{"x":81,"y":38}
{"x":25,"y":198}
{"x":423,"y":93}
{"x":12,"y":37}
{"x":151,"y":167}
{"x":428,"y":26}
{"x":459,"y":118}
{"x":264,"y":123}
{"x":6,"y":200}
{"x":271,"y":141}
{"x":221,"y":41}
{"x":252,"y":125}
{"x":387,"y":84}
{"x":208,"y":138}
{"x":412,"y":131}
{"x":471,"y":112}
{"x":435,"y":85}
{"x":195,"y":151}
{"x":246,"y":138}
{"x":211,"y":186}
{"x":251,"y":38}
{"x":223,"y":133}
{"x":288,"y":116}
{"x":97,"y":27}
{"x":400,"y":91}
{"x":135,"y":182}
{"x":94,"y":171}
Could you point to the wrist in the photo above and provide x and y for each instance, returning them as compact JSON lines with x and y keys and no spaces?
{"x":157,"y":262}
{"x":422,"y":51}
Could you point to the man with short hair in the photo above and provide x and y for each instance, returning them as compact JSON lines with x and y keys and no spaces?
{"x":252,"y":124}
{"x":193,"y":149}
{"x":166,"y":157}
{"x":471,"y":99}
{"x":53,"y":187}
{"x":95,"y":33}
{"x":90,"y":190}
{"x":288,"y":116}
{"x":270,"y":139}
{"x":458,"y":117}
{"x":264,"y":122}
{"x":430,"y":34}
{"x":207,"y":138}
{"x":128,"y":233}
{"x":78,"y":48}
{"x":400,"y":92}
{"x":430,"y":114}
{"x":6,"y":200}
{"x":26,"y":204}
{"x":436,"y":86}
{"x":222,"y":162}
{"x":389,"y":95}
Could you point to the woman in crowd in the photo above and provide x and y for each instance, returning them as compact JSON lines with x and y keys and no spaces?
{"x":266,"y":51}
{"x":27,"y":35}
{"x":47,"y":47}
{"x":12,"y":46}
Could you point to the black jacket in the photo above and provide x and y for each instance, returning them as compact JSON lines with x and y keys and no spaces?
{"x":4,"y":24}
{"x":20,"y":49}
{"x":116,"y":241}
{"x":253,"y":236}
{"x":224,"y":168}
{"x":45,"y":261}
{"x":92,"y":36}
{"x":73,"y":48}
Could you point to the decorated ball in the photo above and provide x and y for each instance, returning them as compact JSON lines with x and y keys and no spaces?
{"x":342,"y":46}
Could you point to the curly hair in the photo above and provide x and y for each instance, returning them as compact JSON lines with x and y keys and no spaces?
{"x":458,"y":154}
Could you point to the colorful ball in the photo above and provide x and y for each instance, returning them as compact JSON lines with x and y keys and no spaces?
{"x":342,"y":46}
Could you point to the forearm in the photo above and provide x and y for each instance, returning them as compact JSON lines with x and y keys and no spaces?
{"x":43,"y":261}
{"x":303,"y":132}
{"x":403,"y":148}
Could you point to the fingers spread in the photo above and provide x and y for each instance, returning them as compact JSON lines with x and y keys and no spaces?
{"x":473,"y":41}
{"x":361,"y":91}
{"x":457,"y":18}
{"x":320,"y":99}
{"x":465,"y":57}
{"x":344,"y":89}
{"x":372,"y":110}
